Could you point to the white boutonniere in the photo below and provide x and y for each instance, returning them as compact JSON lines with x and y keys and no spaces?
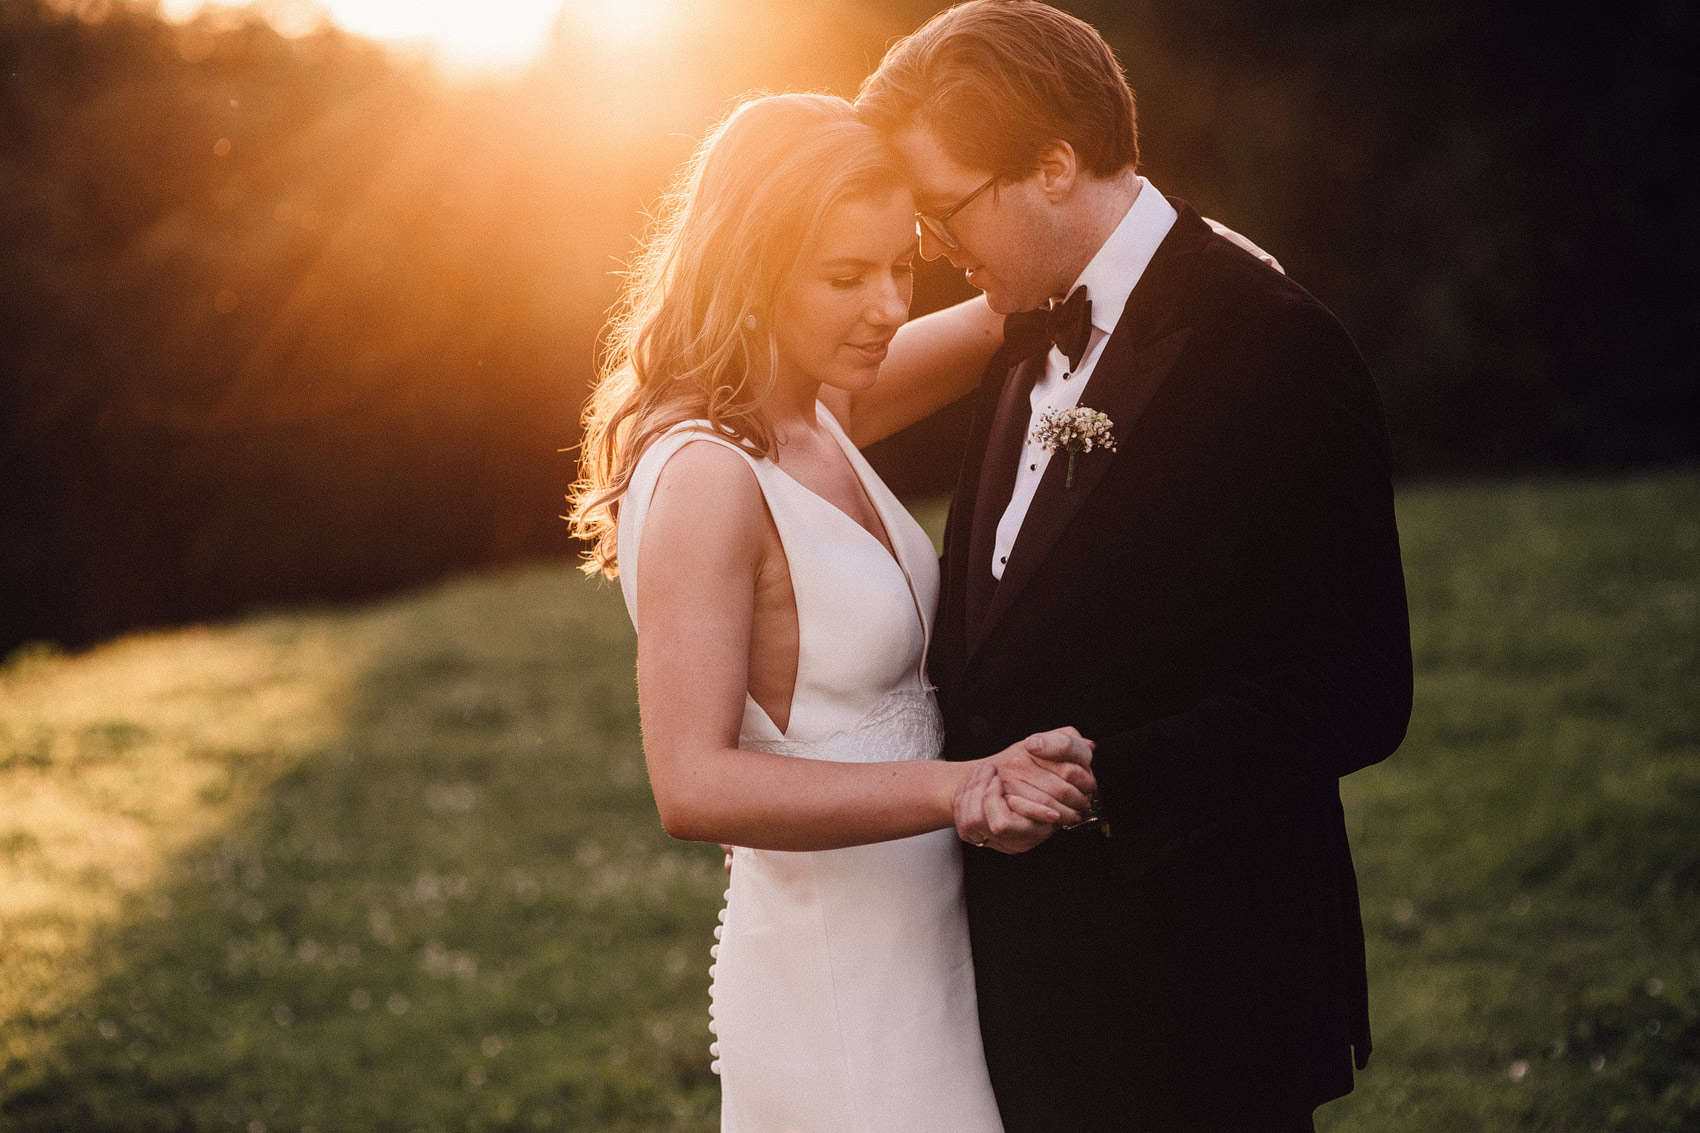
{"x":1074,"y":431}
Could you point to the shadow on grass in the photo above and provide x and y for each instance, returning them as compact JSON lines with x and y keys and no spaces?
{"x":456,"y":912}
{"x":452,"y":907}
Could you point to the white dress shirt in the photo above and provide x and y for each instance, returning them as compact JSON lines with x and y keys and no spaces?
{"x":1109,"y":279}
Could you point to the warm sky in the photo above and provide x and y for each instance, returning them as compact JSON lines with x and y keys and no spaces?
{"x":475,"y":34}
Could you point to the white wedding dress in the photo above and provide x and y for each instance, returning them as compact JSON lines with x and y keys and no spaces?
{"x":842,"y":994}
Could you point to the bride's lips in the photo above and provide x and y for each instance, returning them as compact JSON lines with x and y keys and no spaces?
{"x":872,"y":353}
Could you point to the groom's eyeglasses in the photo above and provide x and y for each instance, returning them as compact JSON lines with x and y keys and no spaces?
{"x":927,"y":223}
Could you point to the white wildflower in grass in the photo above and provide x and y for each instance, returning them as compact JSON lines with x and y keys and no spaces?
{"x":1075,"y":430}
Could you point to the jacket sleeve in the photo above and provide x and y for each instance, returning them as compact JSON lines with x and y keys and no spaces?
{"x":1306,"y":479}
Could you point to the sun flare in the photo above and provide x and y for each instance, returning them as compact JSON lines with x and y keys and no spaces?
{"x":618,"y":27}
{"x":477,"y":34}
{"x":489,"y":33}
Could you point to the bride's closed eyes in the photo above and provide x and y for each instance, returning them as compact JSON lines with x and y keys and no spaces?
{"x":902,"y":268}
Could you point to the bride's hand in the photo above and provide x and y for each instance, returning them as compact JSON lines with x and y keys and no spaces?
{"x":1016,"y":798}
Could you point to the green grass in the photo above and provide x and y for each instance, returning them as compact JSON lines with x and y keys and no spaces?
{"x":397,"y":868}
{"x":1530,"y":858}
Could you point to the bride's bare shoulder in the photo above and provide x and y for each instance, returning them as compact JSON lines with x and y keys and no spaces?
{"x":700,"y":462}
{"x":707,"y":506}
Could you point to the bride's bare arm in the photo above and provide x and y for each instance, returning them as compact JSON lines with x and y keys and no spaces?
{"x":937,"y":358}
{"x":932,"y":361}
{"x":703,"y":545}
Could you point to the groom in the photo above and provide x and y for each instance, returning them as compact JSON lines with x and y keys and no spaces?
{"x":1217,"y":602}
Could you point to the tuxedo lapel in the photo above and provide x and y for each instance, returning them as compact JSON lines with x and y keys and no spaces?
{"x":950,"y":633}
{"x":1147,"y":342}
{"x":997,"y":481}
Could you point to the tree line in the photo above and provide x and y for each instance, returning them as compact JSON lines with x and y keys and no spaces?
{"x":290,"y":319}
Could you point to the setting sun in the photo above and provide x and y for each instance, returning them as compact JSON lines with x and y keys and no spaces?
{"x":491,"y":33}
{"x":486,"y":35}
{"x":618,"y":27}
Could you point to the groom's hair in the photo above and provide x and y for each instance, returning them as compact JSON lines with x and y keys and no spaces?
{"x":999,"y":80}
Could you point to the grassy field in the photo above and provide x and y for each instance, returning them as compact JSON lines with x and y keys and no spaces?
{"x":396,"y":867}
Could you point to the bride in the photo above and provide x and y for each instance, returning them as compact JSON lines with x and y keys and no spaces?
{"x":783,"y":601}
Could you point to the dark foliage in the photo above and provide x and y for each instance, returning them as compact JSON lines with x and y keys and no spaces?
{"x":286,"y":320}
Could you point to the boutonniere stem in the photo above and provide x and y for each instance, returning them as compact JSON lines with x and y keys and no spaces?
{"x":1076,"y":430}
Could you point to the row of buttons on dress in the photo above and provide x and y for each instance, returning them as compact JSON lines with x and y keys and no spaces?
{"x":714,"y":954}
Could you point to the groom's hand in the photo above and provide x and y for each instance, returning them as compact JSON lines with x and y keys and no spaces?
{"x":1063,"y":745}
{"x":1015,"y":800}
{"x":1056,"y":776}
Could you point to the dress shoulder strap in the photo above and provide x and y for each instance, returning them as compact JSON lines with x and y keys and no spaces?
{"x":640,"y":489}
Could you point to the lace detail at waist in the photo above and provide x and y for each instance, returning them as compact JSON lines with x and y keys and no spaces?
{"x":905,"y":724}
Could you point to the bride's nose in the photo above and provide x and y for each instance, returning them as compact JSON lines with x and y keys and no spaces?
{"x":889,"y":305}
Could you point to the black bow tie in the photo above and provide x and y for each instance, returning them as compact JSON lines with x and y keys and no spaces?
{"x":1067,"y":326}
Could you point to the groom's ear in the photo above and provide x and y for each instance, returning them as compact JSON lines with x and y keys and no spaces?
{"x":1058,"y":167}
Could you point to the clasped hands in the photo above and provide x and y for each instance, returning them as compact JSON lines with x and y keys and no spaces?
{"x":1019,"y":797}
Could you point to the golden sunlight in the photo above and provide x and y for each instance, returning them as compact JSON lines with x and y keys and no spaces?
{"x":475,"y":34}
{"x":618,"y":27}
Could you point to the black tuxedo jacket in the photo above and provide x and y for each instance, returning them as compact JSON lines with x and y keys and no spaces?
{"x":1219,"y":604}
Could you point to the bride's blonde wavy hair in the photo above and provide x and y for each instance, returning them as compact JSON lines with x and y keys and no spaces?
{"x":725,"y":239}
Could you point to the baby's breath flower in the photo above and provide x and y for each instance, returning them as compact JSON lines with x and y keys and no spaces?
{"x":1074,"y":431}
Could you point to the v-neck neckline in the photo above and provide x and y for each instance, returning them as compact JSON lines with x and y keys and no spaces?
{"x":890,"y":553}
{"x":888,"y":545}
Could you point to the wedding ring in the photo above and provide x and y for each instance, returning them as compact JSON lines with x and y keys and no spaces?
{"x":981,"y":844}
